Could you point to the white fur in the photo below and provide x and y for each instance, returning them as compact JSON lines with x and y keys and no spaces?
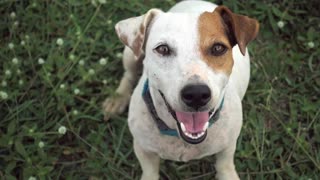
{"x":178,"y":28}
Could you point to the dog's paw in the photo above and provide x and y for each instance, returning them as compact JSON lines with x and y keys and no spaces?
{"x":115,"y":105}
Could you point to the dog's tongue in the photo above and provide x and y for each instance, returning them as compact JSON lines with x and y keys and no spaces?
{"x":193,"y":121}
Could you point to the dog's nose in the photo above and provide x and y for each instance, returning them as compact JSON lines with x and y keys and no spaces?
{"x":196,"y":96}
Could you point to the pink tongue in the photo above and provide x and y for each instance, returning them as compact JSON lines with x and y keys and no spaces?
{"x":193,"y":121}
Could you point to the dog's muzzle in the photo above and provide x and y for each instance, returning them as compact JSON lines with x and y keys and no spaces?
{"x":192,"y":126}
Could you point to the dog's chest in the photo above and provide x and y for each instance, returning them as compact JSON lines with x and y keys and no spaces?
{"x":173,"y":148}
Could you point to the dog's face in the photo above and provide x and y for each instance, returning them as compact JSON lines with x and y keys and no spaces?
{"x":188,"y":60}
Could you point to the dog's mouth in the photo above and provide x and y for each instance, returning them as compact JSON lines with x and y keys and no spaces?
{"x":192,"y":126}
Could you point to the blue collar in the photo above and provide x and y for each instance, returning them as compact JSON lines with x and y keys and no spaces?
{"x":162,"y":126}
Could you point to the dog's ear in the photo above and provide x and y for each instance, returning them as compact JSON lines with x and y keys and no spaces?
{"x":132,"y":31}
{"x":240,"y":29}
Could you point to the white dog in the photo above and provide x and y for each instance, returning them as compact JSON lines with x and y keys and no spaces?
{"x":195,"y":71}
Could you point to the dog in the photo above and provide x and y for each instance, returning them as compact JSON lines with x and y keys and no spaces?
{"x":187,"y":71}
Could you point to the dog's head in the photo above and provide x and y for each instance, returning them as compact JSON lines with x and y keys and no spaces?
{"x":188,"y":58}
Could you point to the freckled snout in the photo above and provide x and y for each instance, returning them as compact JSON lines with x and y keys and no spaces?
{"x":196,"y":95}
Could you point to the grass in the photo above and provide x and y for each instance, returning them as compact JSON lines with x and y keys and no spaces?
{"x":60,"y":59}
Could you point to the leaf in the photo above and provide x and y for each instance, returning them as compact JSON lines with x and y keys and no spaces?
{"x":20,"y":148}
{"x":272,"y":21}
{"x":11,"y":127}
{"x":9,"y":177}
{"x":277,"y":12}
{"x":278,"y":152}
{"x":45,"y":170}
{"x":10,"y":167}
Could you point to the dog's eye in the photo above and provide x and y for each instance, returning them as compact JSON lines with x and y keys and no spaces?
{"x":163,"y":49}
{"x":218,"y":49}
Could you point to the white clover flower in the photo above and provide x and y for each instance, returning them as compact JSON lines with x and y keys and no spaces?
{"x":13,"y":15}
{"x":75,"y":112}
{"x":102,"y":1}
{"x":7,"y":72}
{"x":104,"y":81}
{"x":62,"y":86}
{"x":60,"y":41}
{"x":18,"y":71}
{"x":71,"y":16}
{"x":11,"y":45}
{"x":10,"y":142}
{"x":3,"y":95}
{"x":62,"y":130}
{"x":34,"y":4}
{"x":32,"y":178}
{"x":31,"y":130}
{"x":41,"y":61}
{"x":119,"y":55}
{"x":15,"y":60}
{"x":27,"y":37}
{"x":20,"y":82}
{"x":22,"y":43}
{"x":81,"y":62}
{"x":280,"y":24}
{"x":94,"y":3}
{"x":16,"y":23}
{"x":91,"y":71}
{"x":72,"y":57}
{"x":103,"y":61}
{"x":41,"y":144}
{"x":4,"y":83}
{"x":76,"y":91}
{"x":311,"y":44}
{"x":109,"y":22}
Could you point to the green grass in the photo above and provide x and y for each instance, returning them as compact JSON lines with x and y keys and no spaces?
{"x":281,"y":133}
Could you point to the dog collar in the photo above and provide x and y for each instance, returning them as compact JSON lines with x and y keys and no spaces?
{"x":162,"y":126}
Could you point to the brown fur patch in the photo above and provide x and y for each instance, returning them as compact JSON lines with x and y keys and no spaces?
{"x":124,"y":39}
{"x":241,"y":29}
{"x":211,"y":31}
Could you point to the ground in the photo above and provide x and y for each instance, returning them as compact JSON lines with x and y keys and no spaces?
{"x":60,"y":59}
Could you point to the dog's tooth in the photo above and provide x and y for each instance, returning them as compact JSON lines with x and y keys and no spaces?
{"x":198,"y":135}
{"x":205,"y":126}
{"x":187,"y":134}
{"x":191,"y":136}
{"x":202,"y":133}
{"x":183,"y":128}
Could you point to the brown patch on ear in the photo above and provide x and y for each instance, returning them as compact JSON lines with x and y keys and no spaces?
{"x":137,"y":45}
{"x":133,"y":31}
{"x":240,"y":29}
{"x":122,"y":36}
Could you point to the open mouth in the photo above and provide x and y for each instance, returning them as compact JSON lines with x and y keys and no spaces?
{"x":192,"y":125}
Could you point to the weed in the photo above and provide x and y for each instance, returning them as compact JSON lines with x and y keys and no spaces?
{"x":60,"y":59}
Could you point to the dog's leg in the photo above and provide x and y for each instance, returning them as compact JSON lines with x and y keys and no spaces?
{"x":149,"y":163}
{"x":225,"y":166}
{"x":118,"y":103}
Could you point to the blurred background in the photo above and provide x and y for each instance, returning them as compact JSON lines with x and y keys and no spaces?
{"x":59,"y":59}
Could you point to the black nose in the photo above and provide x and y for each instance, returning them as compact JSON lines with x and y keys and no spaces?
{"x":196,"y":96}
